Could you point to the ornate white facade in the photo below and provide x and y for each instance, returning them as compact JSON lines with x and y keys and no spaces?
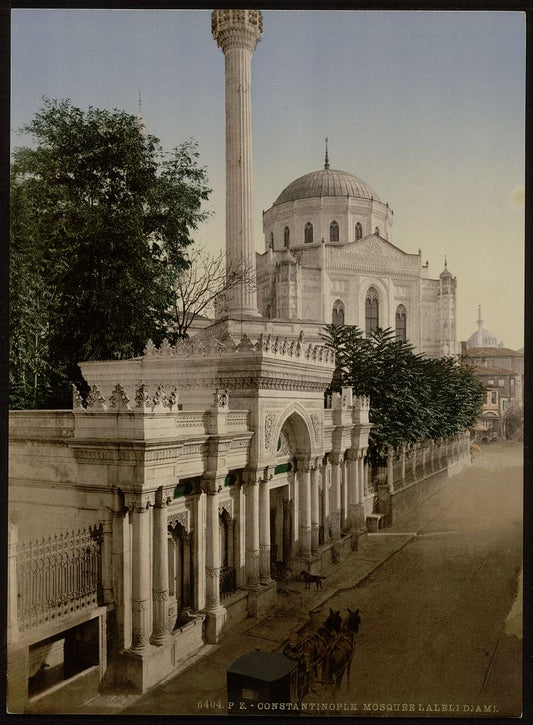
{"x":329,"y":258}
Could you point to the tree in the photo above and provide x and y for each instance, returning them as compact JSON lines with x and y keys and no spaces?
{"x":101,"y":218}
{"x":202,"y":287}
{"x":412,"y":397}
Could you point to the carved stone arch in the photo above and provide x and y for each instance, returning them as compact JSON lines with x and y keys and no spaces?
{"x":301,"y":428}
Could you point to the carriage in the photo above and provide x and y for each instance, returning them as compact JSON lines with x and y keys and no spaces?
{"x":262,"y":682}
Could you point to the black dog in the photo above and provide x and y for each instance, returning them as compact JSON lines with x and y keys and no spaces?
{"x":309,"y":578}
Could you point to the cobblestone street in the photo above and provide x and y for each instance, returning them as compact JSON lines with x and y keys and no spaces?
{"x":440,"y":608}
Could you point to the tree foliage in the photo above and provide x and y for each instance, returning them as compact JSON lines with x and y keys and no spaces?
{"x":101,"y":218}
{"x":412,"y":397}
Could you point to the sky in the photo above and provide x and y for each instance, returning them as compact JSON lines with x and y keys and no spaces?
{"x":427,"y":107}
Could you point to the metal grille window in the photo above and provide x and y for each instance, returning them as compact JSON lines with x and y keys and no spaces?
{"x":334,"y":232}
{"x":308,"y":233}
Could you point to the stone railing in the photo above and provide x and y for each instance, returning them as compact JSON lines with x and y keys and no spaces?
{"x":420,"y":460}
{"x":57,"y":577}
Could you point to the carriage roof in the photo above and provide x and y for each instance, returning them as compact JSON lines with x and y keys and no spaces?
{"x":264,"y":666}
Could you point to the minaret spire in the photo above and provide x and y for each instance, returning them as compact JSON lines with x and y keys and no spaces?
{"x":479,"y":320}
{"x":326,"y":160}
{"x":140,"y":116}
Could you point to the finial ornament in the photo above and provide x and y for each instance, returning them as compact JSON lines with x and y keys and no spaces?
{"x":326,"y":160}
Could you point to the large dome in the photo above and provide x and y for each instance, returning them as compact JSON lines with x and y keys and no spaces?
{"x":326,"y":182}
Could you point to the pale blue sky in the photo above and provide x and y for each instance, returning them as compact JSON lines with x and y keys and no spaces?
{"x":427,"y":107}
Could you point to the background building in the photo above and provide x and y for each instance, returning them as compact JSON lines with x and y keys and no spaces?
{"x":329,"y":259}
{"x":500,"y":371}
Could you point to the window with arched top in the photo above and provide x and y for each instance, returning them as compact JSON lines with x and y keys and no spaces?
{"x":334,"y":232}
{"x":358,"y":231}
{"x":286,"y":237}
{"x":371,"y":311}
{"x":337,"y":317}
{"x":308,"y":233}
{"x":401,"y":323}
{"x":377,"y":231}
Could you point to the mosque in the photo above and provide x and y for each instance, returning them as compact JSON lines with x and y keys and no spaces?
{"x":156,"y":513}
{"x":329,"y":258}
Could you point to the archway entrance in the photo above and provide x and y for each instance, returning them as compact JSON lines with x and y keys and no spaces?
{"x":293,"y":443}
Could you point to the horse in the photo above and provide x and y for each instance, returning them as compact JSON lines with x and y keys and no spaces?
{"x":337,"y":658}
{"x":312,"y":647}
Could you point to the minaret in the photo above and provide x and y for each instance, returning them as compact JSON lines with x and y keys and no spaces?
{"x":236,"y":33}
{"x":446,"y":300}
{"x":479,"y":328}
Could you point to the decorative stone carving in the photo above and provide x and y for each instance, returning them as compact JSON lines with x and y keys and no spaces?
{"x":170,"y":400}
{"x":149,"y":350}
{"x":95,"y":400}
{"x":77,"y":401}
{"x":221,"y":398}
{"x":119,"y":400}
{"x":269,"y":426}
{"x":315,"y":421}
{"x":142,"y":399}
{"x":226,"y":506}
{"x":182,"y":517}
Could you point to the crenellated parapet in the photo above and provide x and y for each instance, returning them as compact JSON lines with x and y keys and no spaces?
{"x":272,"y":346}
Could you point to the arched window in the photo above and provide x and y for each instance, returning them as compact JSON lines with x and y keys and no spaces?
{"x":358,"y":231}
{"x":333,"y":232}
{"x":401,"y":323}
{"x":308,"y":233}
{"x":287,"y":236}
{"x":337,"y":318}
{"x":272,"y":239}
{"x":377,"y":231}
{"x":371,"y":311}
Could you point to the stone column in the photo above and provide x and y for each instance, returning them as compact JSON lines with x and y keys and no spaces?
{"x":361,"y":467}
{"x":353,"y":488}
{"x":286,"y":543}
{"x":236,"y":32}
{"x":325,"y":502}
{"x":264,"y":532}
{"x":212,"y":554}
{"x":252,"y":532}
{"x":336,"y":461}
{"x":140,"y":583}
{"x":106,"y":522}
{"x":12,"y":589}
{"x":390,"y":468}
{"x":403,"y":465}
{"x":315,"y":509}
{"x":160,"y":631}
{"x":216,"y":614}
{"x":304,"y":496}
{"x":186,"y":602}
{"x":121,"y":557}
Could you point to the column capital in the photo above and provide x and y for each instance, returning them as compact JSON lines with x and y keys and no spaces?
{"x":212,"y":484}
{"x":162,"y":497}
{"x":304,"y":465}
{"x":139,"y":502}
{"x":336,"y":457}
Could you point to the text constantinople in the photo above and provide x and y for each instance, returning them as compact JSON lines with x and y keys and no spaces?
{"x":365,"y":707}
